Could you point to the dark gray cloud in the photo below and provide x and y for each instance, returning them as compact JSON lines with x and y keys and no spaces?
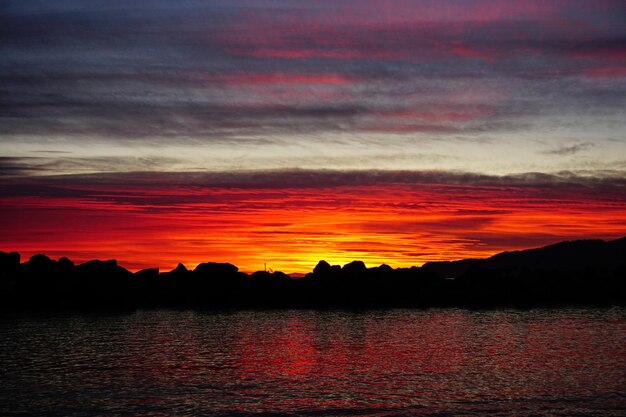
{"x":12,"y":166}
{"x":60,"y":162}
{"x":151,"y":70}
{"x":608,"y":183}
{"x":570,"y":150}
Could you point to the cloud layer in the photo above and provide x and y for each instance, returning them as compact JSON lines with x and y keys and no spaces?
{"x":270,"y":81}
{"x":292,"y":219}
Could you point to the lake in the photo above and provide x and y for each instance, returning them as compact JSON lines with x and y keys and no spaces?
{"x":315,"y":363}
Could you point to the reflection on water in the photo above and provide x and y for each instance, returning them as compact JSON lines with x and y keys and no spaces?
{"x":376,"y":363}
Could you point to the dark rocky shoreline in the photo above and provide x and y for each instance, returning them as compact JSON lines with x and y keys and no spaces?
{"x":577,"y":273}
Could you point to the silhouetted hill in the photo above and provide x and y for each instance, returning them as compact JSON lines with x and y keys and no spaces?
{"x":563,"y":256}
{"x":585,"y":272}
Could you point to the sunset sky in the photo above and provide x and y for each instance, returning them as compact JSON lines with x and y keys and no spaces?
{"x":289,"y":131}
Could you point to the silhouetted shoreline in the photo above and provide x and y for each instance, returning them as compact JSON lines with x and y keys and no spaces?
{"x":585,"y":272}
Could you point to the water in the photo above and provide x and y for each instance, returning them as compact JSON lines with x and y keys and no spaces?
{"x":308,"y":363}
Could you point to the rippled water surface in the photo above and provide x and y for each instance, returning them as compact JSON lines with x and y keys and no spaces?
{"x":376,"y":363}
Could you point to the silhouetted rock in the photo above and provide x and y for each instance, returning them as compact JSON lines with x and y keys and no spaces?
{"x":354,"y":267}
{"x":38,"y":272}
{"x":281,"y":276}
{"x":180,"y":272}
{"x":383,"y":269}
{"x":147,"y":274}
{"x":40,"y":262}
{"x":97,"y":266}
{"x":9,"y":262}
{"x":590,"y":272}
{"x":270,"y":277}
{"x":322,"y":268}
{"x":65,"y":263}
{"x":104,"y":284}
{"x":261,"y":275}
{"x":215,"y":269}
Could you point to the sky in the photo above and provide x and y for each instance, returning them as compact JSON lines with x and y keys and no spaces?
{"x":285,"y":132}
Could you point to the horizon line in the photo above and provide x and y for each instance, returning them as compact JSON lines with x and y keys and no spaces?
{"x":192,"y":267}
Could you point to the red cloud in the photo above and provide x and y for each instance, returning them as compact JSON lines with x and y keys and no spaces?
{"x":298,"y":219}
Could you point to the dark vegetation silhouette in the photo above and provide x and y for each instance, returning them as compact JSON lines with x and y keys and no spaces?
{"x":584,"y":272}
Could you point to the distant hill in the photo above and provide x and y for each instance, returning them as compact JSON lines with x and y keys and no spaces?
{"x":584,"y":272}
{"x":563,"y":256}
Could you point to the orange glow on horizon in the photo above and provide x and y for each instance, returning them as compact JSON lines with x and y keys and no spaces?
{"x":292,"y":229}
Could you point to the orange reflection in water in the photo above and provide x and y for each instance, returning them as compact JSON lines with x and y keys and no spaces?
{"x":277,"y":352}
{"x":403,"y":359}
